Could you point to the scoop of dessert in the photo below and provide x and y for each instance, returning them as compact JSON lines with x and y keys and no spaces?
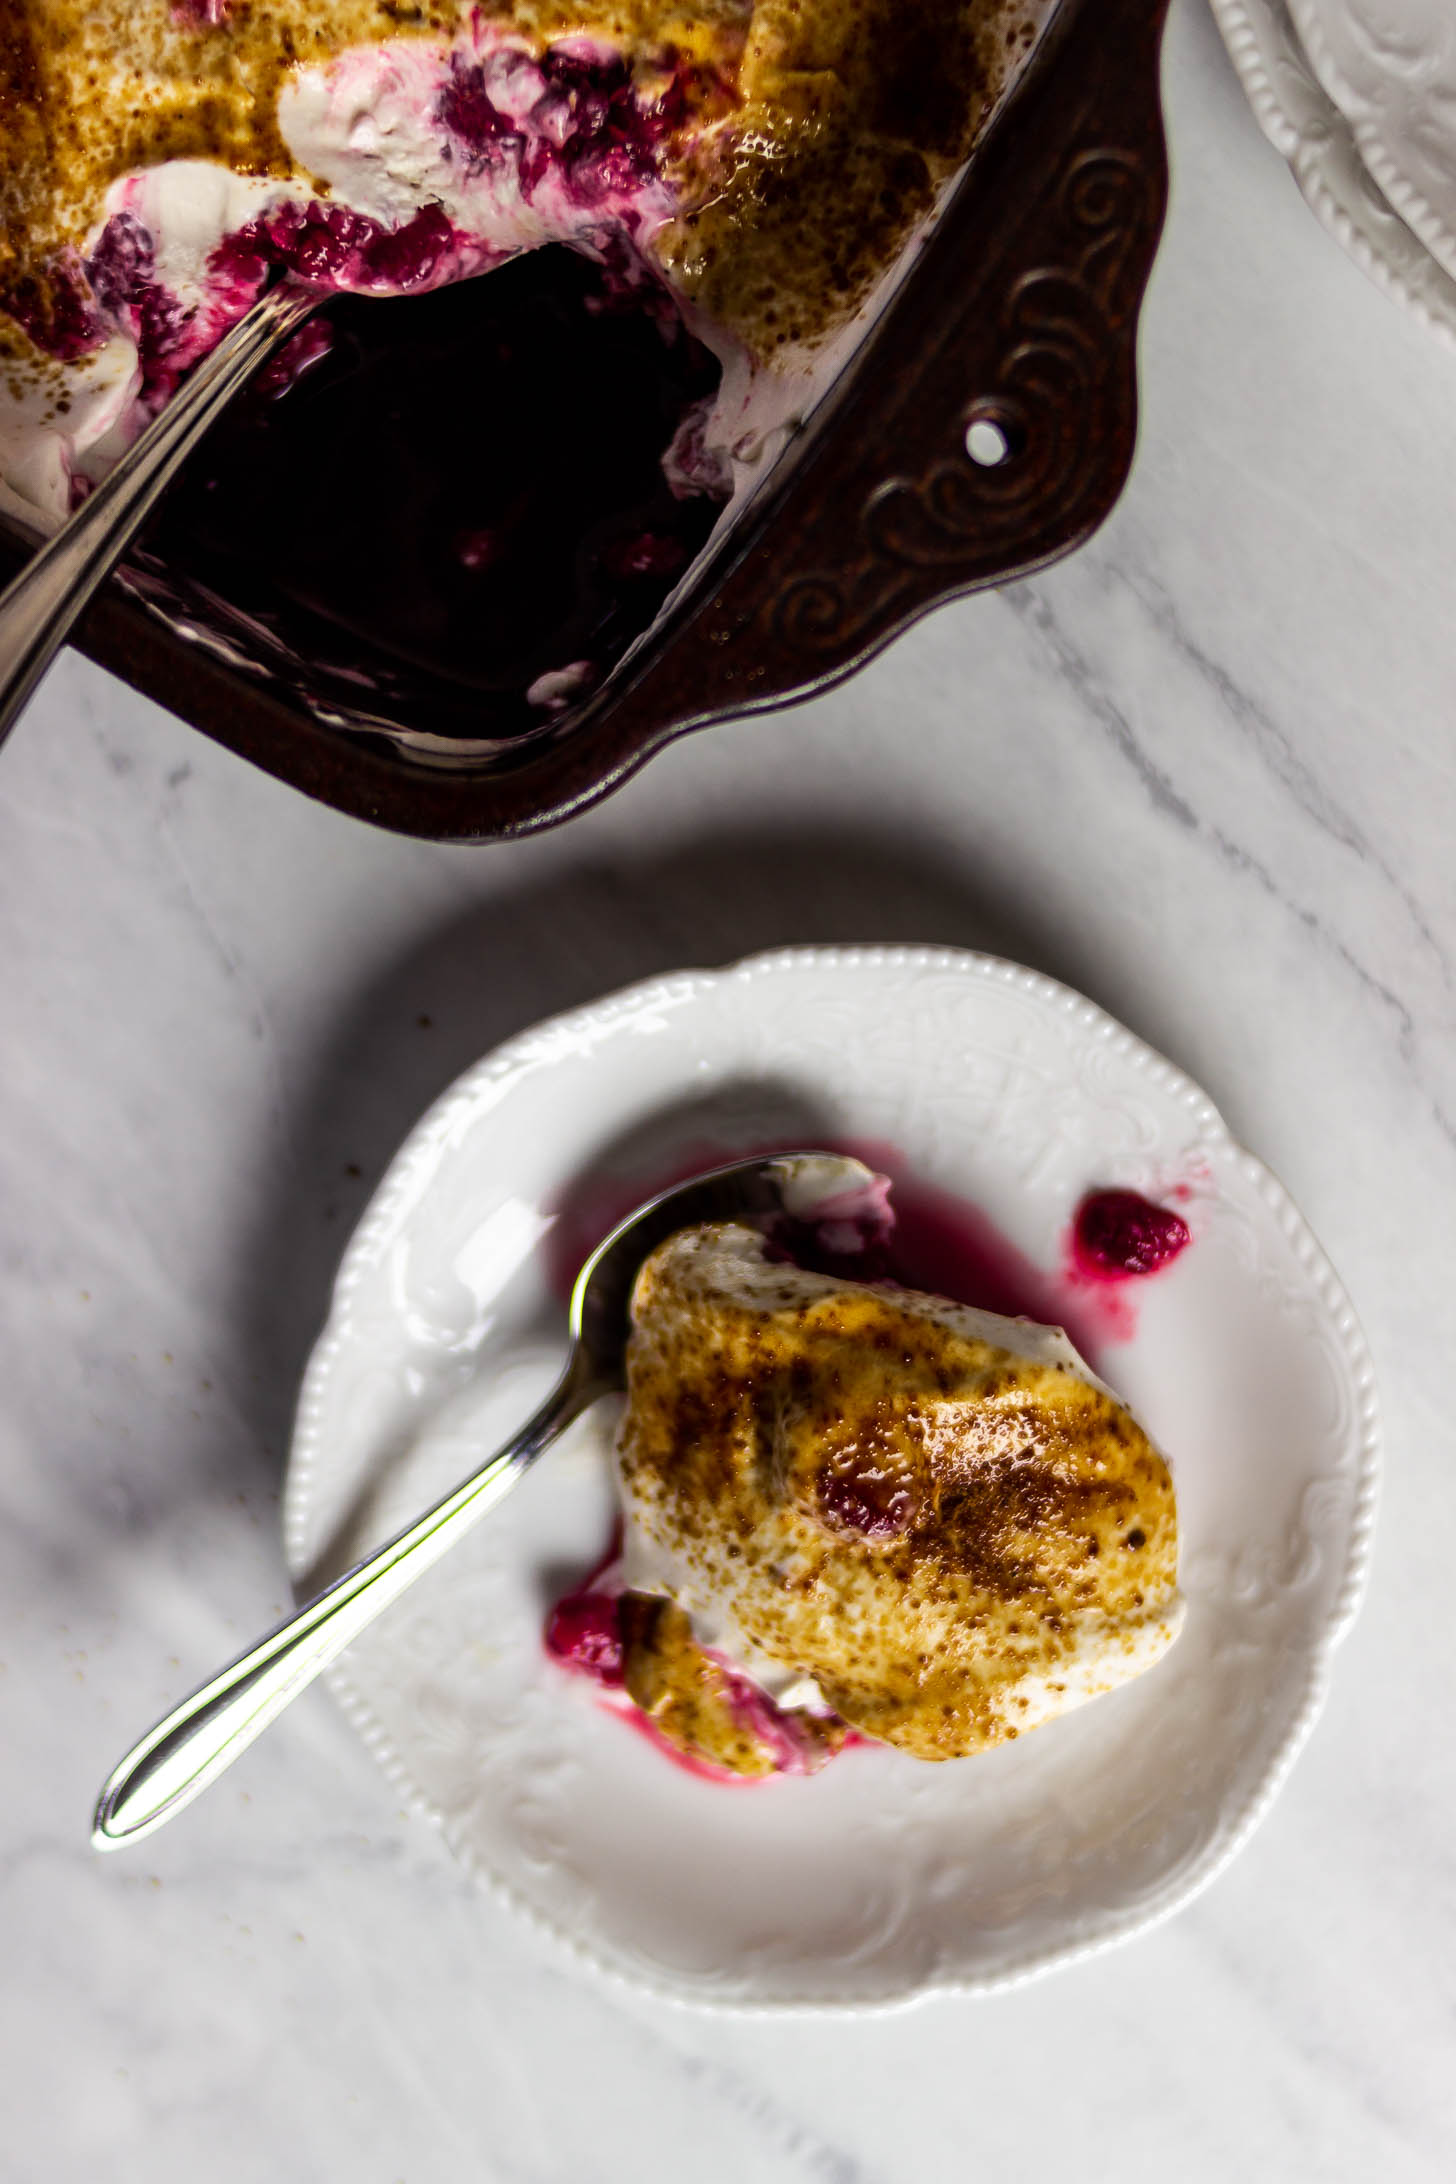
{"x":927,"y":1522}
{"x":707,"y":1709}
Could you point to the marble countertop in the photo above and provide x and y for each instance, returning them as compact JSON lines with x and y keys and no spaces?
{"x":1205,"y":771}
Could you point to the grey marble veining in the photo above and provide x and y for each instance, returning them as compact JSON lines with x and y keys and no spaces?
{"x":1206,"y":771}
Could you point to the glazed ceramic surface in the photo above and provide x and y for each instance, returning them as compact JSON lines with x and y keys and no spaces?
{"x":1328,"y":155}
{"x":1390,"y":67}
{"x":883,"y":1876}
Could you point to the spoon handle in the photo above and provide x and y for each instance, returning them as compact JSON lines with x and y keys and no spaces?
{"x":37,"y":610}
{"x":193,"y":1744}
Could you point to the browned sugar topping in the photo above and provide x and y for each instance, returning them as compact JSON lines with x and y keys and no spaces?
{"x":850,"y":113}
{"x":855,"y":110}
{"x":690,"y":1700}
{"x":919,"y":1520}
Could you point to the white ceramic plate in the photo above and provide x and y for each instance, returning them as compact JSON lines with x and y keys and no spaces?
{"x":883,"y":1878}
{"x":1298,"y":116}
{"x":1390,"y":67}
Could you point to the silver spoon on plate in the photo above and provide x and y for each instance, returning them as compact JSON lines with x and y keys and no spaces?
{"x":193,"y":1744}
{"x":38,"y":609}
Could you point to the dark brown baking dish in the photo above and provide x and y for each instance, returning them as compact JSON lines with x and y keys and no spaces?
{"x":1020,"y":314}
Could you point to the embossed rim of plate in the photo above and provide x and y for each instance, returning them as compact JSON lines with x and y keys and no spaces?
{"x":1305,"y":126}
{"x":570,"y":1028}
{"x":1389,"y":149}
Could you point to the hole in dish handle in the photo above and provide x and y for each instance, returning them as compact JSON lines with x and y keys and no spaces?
{"x":991,"y":440}
{"x":986,"y":427}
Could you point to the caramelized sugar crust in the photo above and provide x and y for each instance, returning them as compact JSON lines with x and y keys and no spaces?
{"x":843,"y":115}
{"x":956,"y":1540}
{"x":704,"y":1709}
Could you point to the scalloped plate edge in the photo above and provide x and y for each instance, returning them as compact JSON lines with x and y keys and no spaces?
{"x":672,"y":991}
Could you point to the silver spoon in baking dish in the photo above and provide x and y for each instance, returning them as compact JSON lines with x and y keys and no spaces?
{"x":204,"y":1735}
{"x":38,"y":609}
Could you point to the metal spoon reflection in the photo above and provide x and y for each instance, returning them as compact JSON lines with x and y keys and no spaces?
{"x":193,"y":1745}
{"x":39,"y":608}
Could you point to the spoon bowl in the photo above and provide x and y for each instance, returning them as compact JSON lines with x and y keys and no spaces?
{"x":190,"y":1747}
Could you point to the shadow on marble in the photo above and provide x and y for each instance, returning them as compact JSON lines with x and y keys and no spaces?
{"x":559,"y":940}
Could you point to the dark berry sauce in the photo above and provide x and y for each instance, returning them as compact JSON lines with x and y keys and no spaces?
{"x":934,"y":1241}
{"x":462,"y":495}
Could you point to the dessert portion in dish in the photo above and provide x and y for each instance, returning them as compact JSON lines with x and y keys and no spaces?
{"x":850,"y":1508}
{"x":515,"y":572}
{"x":765,"y":158}
{"x":745,"y":172}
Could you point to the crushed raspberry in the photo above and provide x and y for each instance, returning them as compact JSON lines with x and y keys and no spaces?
{"x":407,"y":257}
{"x":1120,"y":1233}
{"x":868,"y":1502}
{"x":122,"y":274}
{"x":575,"y":111}
{"x":241,"y":260}
{"x":122,"y":264}
{"x":584,"y":1634}
{"x":330,"y":246}
{"x":469,"y":113}
{"x":57,"y":308}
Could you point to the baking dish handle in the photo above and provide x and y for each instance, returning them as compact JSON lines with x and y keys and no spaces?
{"x":965,"y":447}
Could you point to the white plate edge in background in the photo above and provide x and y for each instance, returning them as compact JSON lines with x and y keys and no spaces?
{"x":1307,"y":128}
{"x":1387,"y":108}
